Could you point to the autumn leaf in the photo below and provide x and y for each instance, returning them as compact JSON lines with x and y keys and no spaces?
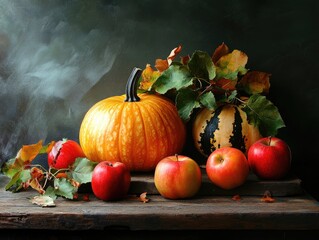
{"x":231,"y":64}
{"x":255,"y":82}
{"x":236,"y":197}
{"x":28,"y":152}
{"x":220,"y":51}
{"x":149,"y":76}
{"x":267,"y":197}
{"x":35,"y":184}
{"x":163,"y":64}
{"x":143,"y":197}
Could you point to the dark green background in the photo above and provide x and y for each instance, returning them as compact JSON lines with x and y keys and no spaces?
{"x":279,"y":37}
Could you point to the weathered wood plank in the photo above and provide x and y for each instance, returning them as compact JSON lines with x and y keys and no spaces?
{"x":162,"y":214}
{"x":202,"y":212}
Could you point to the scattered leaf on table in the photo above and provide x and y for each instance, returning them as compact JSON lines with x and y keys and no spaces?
{"x":236,"y":197}
{"x":43,"y":201}
{"x":143,"y":197}
{"x":267,"y":197}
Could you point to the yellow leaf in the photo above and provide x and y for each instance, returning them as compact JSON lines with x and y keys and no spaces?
{"x":229,"y":65}
{"x":50,"y":146}
{"x":149,"y":76}
{"x":28,"y":152}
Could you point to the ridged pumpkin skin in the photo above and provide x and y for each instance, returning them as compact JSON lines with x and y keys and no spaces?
{"x":227,"y":126}
{"x":138,"y":134}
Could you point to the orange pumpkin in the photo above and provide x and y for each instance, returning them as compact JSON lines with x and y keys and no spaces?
{"x":136,"y":129}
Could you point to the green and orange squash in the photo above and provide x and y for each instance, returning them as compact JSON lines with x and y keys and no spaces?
{"x":226,"y":126}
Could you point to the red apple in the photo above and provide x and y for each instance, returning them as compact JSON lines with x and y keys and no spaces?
{"x":177,"y":177}
{"x":110,"y":181}
{"x":64,"y":153}
{"x":270,"y":158}
{"x":227,"y":167}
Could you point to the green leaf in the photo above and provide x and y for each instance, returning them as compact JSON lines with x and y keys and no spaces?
{"x":201,"y":65}
{"x":208,"y":100}
{"x":64,"y":188}
{"x":18,"y":178}
{"x":82,"y":170}
{"x":232,"y":96}
{"x":186,"y":101}
{"x":176,"y":77}
{"x":8,"y":168}
{"x":50,"y":192}
{"x":264,"y":114}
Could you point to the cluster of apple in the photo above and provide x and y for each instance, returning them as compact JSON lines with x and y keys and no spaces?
{"x":180,"y":177}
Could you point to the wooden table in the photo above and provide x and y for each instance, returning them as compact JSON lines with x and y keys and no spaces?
{"x":212,"y":209}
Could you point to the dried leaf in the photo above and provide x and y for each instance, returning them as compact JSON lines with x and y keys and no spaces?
{"x":236,"y":197}
{"x":61,"y":175}
{"x":220,"y":51}
{"x":267,"y":197}
{"x":161,"y":65}
{"x":36,"y":173}
{"x":173,"y":54}
{"x":43,"y":201}
{"x":255,"y":82}
{"x":34,"y":183}
{"x":143,"y":197}
{"x":185,"y":59}
{"x":86,"y":197}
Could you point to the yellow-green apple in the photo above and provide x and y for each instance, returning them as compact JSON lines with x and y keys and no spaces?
{"x":270,"y":158}
{"x":177,"y":177}
{"x":227,"y":167}
{"x":110,"y":180}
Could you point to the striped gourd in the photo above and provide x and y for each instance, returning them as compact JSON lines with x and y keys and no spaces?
{"x":226,"y":126}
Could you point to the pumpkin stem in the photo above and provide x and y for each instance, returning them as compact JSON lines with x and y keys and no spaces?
{"x":131,"y":86}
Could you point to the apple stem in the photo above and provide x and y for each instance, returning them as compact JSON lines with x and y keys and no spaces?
{"x":269,"y":140}
{"x":176,"y":155}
